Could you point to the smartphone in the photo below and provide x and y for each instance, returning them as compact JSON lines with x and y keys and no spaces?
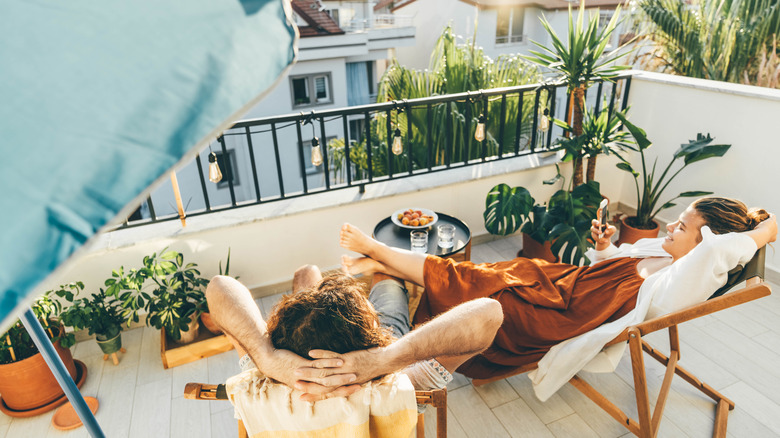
{"x":602,"y":216}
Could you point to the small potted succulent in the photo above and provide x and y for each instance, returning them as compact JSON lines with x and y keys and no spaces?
{"x":100,"y":314}
{"x":167,"y":289}
{"x":648,"y":195}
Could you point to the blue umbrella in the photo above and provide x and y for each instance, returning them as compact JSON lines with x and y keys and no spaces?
{"x":98,"y":100}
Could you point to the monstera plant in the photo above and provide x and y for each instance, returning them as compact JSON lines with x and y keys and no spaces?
{"x":564,"y":221}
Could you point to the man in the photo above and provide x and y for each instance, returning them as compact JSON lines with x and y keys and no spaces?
{"x":430,"y":352}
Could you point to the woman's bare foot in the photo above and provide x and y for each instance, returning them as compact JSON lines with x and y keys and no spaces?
{"x":353,"y":239}
{"x":359,"y":265}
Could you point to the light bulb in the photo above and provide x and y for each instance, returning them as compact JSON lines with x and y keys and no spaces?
{"x":479,"y":134}
{"x":316,"y":152}
{"x":215,"y":175}
{"x":398,"y":145}
{"x":544,"y":122}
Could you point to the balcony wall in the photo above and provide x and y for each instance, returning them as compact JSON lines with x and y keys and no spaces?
{"x":269,"y":241}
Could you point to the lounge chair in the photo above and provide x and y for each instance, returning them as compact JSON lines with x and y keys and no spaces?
{"x":649,"y":421}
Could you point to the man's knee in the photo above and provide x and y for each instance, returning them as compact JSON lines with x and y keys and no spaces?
{"x":305,"y":277}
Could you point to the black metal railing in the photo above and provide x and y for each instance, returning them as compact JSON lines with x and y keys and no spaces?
{"x":269,"y":159}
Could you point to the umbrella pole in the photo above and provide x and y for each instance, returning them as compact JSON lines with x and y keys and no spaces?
{"x":57,"y":368}
{"x":177,"y":195}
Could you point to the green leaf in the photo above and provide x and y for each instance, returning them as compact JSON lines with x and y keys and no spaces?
{"x":717,"y":150}
{"x":170,"y":255}
{"x":693,"y":194}
{"x":506,"y":209}
{"x":627,"y":167}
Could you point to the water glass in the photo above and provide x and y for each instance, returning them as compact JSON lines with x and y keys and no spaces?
{"x":419,"y":241}
{"x":446,"y":236}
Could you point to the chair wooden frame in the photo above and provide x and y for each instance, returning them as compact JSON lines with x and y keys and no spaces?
{"x":649,"y":420}
{"x":436,"y":398}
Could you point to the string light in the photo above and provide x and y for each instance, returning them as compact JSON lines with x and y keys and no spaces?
{"x":544,"y":122}
{"x":316,"y":151}
{"x":479,"y":134}
{"x":215,"y":174}
{"x":398,"y":144}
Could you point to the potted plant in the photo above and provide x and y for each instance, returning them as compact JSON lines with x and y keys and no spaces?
{"x":563,"y":225}
{"x":100,"y":314}
{"x":27,"y":385}
{"x":167,"y":289}
{"x":649,"y":194}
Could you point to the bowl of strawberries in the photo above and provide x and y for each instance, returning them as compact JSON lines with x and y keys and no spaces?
{"x":414,"y":218}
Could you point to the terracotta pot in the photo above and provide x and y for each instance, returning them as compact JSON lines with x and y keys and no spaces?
{"x":209,"y":323}
{"x":535,"y":250}
{"x":629,"y":234}
{"x":29,"y":384}
{"x":191,"y":334}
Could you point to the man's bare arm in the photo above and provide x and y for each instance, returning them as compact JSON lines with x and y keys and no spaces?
{"x":232,"y":307}
{"x":463,"y":331}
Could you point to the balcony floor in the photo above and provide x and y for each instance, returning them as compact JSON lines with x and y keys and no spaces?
{"x":736,"y":352}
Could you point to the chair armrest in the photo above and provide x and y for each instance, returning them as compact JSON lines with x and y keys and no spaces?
{"x":730,"y":299}
{"x":204,"y":391}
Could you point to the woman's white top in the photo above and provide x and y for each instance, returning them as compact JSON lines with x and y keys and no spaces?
{"x":690,"y":280}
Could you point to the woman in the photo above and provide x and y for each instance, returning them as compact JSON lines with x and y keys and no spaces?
{"x":567,"y":313}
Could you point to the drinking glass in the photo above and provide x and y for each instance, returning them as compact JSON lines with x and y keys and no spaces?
{"x":446,"y":236}
{"x":419,"y":241}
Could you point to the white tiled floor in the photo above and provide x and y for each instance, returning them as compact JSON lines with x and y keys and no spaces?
{"x":736,"y":351}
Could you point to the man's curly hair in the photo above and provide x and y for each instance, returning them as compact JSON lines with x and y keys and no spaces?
{"x":333,"y":315}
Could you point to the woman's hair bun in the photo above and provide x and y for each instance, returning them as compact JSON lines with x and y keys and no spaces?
{"x":755,"y":216}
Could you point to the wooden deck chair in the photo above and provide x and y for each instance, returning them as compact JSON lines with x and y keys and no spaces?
{"x":648,"y":423}
{"x":437,"y":399}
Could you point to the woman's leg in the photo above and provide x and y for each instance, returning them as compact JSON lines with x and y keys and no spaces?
{"x":392,"y":261}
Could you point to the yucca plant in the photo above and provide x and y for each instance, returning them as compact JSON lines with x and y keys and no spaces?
{"x":711,"y":39}
{"x":578,"y":60}
{"x":601,"y":134}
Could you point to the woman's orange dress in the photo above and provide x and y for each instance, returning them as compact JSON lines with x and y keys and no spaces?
{"x":544,"y":303}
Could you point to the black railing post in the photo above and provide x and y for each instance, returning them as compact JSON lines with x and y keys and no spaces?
{"x":612,"y":99}
{"x":468,"y":140}
{"x":501,"y":124}
{"x":429,"y":135}
{"x":448,"y":148}
{"x":324,"y":147}
{"x":624,"y":104}
{"x":151,"y":209}
{"x":598,"y":97}
{"x":279,"y":175}
{"x":483,"y":143}
{"x":408,"y":142}
{"x":535,"y":126}
{"x":252,"y":159}
{"x":345,"y":126}
{"x":389,"y":142}
{"x":301,"y":159}
{"x":370,"y":169}
{"x":519,"y":122}
{"x":551,"y":125}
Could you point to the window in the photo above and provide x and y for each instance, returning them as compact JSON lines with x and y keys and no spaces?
{"x":334,"y":14}
{"x":226,"y":166}
{"x":311,"y":89}
{"x":509,"y":25}
{"x":604,"y":17}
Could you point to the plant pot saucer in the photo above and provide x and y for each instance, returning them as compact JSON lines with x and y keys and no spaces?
{"x":66,"y":417}
{"x":81,"y":377}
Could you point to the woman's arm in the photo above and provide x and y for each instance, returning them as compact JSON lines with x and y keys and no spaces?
{"x":694,"y":277}
{"x":765,"y":232}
